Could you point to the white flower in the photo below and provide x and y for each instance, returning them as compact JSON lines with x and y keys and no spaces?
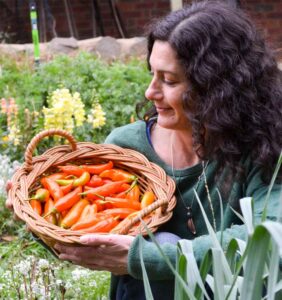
{"x":43,"y":264}
{"x":23,"y":267}
{"x":79,"y":273}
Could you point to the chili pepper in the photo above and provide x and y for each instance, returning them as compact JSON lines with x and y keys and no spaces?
{"x":36,"y":206}
{"x":41,"y":195}
{"x":82,"y":180}
{"x":51,"y":218}
{"x":117,"y":175}
{"x":147,"y":199}
{"x":90,"y":221}
{"x":95,"y":181}
{"x":122,"y":203}
{"x":119,"y":212}
{"x":134,"y":193}
{"x":74,"y":213}
{"x":97,"y":169}
{"x":89,"y":210}
{"x":53,"y":188}
{"x":57,"y":176}
{"x":103,"y":226}
{"x":102,"y":191}
{"x":67,"y":201}
{"x":66,"y":188}
{"x":72,"y":170}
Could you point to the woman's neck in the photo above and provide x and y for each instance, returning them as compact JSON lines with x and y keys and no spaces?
{"x":174,"y":147}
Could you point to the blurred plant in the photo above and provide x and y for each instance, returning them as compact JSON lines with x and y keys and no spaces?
{"x":7,"y":169}
{"x":9,"y":108}
{"x":39,"y":278}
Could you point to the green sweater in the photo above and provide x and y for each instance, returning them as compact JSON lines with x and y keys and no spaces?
{"x":134,"y":136}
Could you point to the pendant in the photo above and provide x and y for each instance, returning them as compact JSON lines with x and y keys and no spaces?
{"x":190,"y":223}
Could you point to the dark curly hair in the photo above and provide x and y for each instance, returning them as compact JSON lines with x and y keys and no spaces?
{"x":235,"y":101}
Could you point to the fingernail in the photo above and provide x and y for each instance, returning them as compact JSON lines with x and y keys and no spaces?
{"x":84,"y":239}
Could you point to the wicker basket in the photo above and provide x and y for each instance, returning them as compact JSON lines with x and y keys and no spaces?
{"x":27,"y":178}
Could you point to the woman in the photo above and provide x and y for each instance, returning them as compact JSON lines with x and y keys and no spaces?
{"x":215,"y":127}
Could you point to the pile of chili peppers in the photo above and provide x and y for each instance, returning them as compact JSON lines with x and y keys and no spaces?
{"x":91,"y":198}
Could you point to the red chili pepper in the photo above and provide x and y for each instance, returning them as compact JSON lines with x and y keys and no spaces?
{"x":72,"y":170}
{"x":51,"y":218}
{"x":95,"y":181}
{"x":66,"y":188}
{"x":53,"y":187}
{"x":36,"y":206}
{"x":117,"y":175}
{"x":57,"y":176}
{"x":68,"y":200}
{"x":147,"y":199}
{"x":97,"y":169}
{"x":122,"y":203}
{"x":119,"y":212}
{"x":102,"y":191}
{"x":103,"y":226}
{"x":41,"y":195}
{"x":74,"y":213}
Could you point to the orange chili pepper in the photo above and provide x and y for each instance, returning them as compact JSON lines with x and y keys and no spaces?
{"x":36,"y":206}
{"x":89,"y":221}
{"x":134,"y":193}
{"x":66,"y":188}
{"x":103,"y":226}
{"x":89,"y":210}
{"x":117,"y":175}
{"x":147,"y":199}
{"x":51,"y":218}
{"x":119,"y":212}
{"x":72,"y":170}
{"x":57,"y":176}
{"x":95,"y":181}
{"x":82,"y":180}
{"x":97,"y":169}
{"x":41,"y":195}
{"x":122,"y":203}
{"x":53,"y":187}
{"x":67,"y":201}
{"x":102,"y":191}
{"x":74,"y":213}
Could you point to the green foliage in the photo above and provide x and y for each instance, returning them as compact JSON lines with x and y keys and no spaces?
{"x":118,"y":86}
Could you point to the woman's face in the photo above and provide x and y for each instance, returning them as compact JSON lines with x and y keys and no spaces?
{"x":167,"y":86}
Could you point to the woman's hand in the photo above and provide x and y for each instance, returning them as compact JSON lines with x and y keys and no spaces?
{"x":107,"y":252}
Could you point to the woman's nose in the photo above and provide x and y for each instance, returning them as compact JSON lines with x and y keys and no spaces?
{"x":153,"y":91}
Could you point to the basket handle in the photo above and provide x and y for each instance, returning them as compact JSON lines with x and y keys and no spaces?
{"x":33,"y":143}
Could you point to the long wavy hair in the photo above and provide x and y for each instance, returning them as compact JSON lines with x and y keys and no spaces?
{"x":235,"y":101}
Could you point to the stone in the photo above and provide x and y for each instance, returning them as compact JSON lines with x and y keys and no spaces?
{"x":63,"y":45}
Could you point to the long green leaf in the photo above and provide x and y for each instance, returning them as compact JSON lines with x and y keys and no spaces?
{"x":253,"y":281}
{"x":246,"y":205}
{"x":216,"y":244}
{"x":193,"y":275}
{"x":148,"y":291}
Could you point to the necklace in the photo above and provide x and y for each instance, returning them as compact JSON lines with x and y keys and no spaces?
{"x":189,"y":212}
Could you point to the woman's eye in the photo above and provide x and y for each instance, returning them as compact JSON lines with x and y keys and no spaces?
{"x":169,"y":82}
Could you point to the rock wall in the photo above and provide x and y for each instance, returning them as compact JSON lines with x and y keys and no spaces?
{"x":107,"y":48}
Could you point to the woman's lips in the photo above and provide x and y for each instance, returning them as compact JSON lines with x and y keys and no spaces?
{"x":162,"y":109}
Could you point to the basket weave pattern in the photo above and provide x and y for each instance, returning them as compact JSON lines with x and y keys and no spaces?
{"x":150,"y":176}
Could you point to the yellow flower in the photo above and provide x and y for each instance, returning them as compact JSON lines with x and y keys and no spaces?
{"x":65,"y":110}
{"x":97,"y":116}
